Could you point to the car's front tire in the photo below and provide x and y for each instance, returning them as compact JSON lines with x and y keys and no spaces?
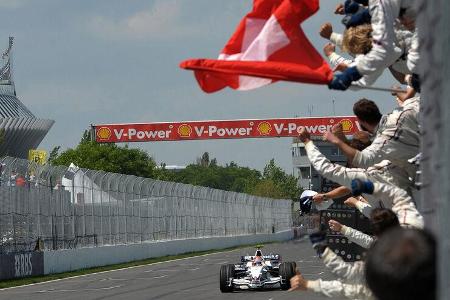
{"x":287,"y":271}
{"x":226,"y":274}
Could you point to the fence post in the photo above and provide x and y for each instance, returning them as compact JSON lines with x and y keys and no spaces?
{"x":108,"y":189}
{"x":101,"y":207}
{"x":141,"y":235}
{"x":74,"y":207}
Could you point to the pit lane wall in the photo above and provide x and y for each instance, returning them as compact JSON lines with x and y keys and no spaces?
{"x":76,"y":259}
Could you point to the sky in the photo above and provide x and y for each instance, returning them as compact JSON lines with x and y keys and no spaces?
{"x":112,"y":61}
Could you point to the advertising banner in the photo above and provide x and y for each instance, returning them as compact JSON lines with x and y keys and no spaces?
{"x":225,"y":129}
{"x":37,"y":156}
{"x":21,"y":264}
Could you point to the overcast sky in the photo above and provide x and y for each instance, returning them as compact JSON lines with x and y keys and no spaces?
{"x":113,"y":61}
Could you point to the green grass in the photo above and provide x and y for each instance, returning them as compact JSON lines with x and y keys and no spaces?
{"x":37,"y":279}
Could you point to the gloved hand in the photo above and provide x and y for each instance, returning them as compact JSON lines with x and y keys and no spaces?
{"x":319,"y":241}
{"x":362,"y":187}
{"x":350,"y":7}
{"x":363,"y":2}
{"x":343,"y":80}
{"x":362,"y":17}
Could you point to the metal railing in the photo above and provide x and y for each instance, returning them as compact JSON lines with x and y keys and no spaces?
{"x":49,"y":207}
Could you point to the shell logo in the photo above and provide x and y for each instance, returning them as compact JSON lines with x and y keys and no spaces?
{"x":104,"y":133}
{"x":185,"y":130}
{"x":347,"y":125}
{"x":264,"y":128}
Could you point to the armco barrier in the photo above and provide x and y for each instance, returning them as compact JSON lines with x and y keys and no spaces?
{"x":75,"y":259}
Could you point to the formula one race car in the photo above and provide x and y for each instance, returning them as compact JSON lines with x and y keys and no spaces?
{"x":257,"y":272}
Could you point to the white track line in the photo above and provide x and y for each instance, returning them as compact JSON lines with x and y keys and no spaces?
{"x":82,"y":290}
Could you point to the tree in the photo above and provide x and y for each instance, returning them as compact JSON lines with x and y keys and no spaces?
{"x":106,"y":157}
{"x":286,"y":184}
{"x":53,"y":154}
{"x":267,"y":188}
{"x":273,"y":183}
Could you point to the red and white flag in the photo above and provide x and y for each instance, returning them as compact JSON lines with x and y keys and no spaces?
{"x":268,"y":45}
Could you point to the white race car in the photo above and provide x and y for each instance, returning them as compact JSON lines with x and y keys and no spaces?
{"x":257,"y":272}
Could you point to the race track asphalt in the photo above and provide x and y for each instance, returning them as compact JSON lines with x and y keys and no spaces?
{"x":192,"y":278}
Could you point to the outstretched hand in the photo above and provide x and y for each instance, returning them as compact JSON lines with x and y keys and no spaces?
{"x":363,"y":136}
{"x":341,"y":67}
{"x":326,"y":30}
{"x":298,"y":283}
{"x":328,"y":49}
{"x":331,"y":137}
{"x":335,"y":225}
{"x":339,"y":10}
{"x":318,"y":198}
{"x":351,"y":202}
{"x":304,"y":135}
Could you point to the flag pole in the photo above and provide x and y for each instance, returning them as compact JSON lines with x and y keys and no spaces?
{"x":381,"y":89}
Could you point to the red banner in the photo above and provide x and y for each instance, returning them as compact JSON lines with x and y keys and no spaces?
{"x":226,"y":129}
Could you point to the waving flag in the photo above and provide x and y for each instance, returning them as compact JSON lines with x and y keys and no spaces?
{"x":268,"y":45}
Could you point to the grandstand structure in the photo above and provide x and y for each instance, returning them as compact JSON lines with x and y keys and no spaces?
{"x":20,"y":130}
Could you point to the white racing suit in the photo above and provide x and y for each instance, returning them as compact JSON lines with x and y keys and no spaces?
{"x":405,"y":43}
{"x":406,"y":210}
{"x":357,"y":237}
{"x":385,"y":172}
{"x":336,"y":288}
{"x":336,"y":39}
{"x":397,"y":139}
{"x":352,"y":274}
{"x":384,"y":14}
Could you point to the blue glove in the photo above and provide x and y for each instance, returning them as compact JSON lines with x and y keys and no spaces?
{"x":363,"y":2}
{"x":350,"y":7}
{"x":343,"y":80}
{"x":362,"y":17}
{"x":319,"y":241}
{"x":362,"y":187}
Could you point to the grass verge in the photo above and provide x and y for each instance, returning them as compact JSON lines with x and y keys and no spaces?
{"x":38,"y":279}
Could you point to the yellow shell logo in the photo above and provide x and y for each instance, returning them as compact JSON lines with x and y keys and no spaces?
{"x":184,"y":130}
{"x":347,"y":125}
{"x":104,"y":133}
{"x":264,"y":128}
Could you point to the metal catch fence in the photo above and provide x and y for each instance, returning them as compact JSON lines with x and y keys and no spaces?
{"x":56,"y":207}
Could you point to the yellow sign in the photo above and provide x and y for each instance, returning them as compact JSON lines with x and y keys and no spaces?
{"x":37,"y":156}
{"x":347,"y":125}
{"x":185,"y":130}
{"x":264,"y":128}
{"x":104,"y":133}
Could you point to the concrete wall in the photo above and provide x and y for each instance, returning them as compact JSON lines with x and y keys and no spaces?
{"x":76,"y":259}
{"x":435,"y":165}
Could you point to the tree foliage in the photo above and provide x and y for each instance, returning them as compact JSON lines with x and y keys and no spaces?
{"x":287,"y":184}
{"x":106,"y":157}
{"x":273,"y":182}
{"x":229,"y":178}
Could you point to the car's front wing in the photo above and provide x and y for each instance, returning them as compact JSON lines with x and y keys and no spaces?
{"x":245,"y":284}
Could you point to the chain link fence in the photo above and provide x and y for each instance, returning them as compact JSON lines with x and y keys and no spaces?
{"x":50,"y":207}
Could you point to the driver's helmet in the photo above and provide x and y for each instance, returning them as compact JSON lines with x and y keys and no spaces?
{"x":258,"y":260}
{"x":306,"y":204}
